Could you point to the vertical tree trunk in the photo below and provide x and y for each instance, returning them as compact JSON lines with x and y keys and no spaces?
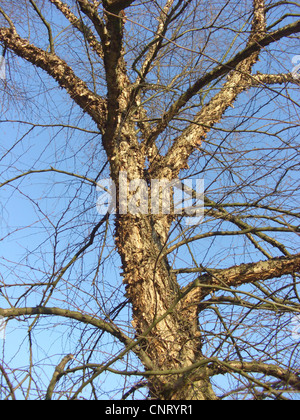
{"x":175,"y":341}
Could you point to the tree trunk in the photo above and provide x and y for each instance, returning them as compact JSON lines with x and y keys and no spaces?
{"x":174,"y":341}
{"x":172,"y":338}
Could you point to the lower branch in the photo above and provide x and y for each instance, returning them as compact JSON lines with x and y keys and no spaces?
{"x":241,"y":274}
{"x":289,"y":378}
{"x":57,"y":375}
{"x":10,"y":386}
{"x":78,"y":316}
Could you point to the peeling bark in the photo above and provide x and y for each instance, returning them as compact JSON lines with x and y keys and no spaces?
{"x":175,"y":341}
{"x":243,"y":274}
{"x":61,"y":72}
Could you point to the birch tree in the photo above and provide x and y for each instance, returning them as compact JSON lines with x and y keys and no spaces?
{"x":161,"y":90}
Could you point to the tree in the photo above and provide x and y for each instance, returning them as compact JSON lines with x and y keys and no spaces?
{"x":166,"y":90}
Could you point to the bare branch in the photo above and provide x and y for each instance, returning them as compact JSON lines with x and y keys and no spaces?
{"x":10,"y":386}
{"x":91,"y":12}
{"x":243,"y":274}
{"x":65,"y":313}
{"x":260,"y":79}
{"x":61,"y":72}
{"x":48,"y":26}
{"x":78,"y":24}
{"x":285,"y":375}
{"x":212,"y":112}
{"x":57,"y":375}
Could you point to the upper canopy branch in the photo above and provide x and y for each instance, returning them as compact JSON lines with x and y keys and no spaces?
{"x":80,"y":26}
{"x":285,"y":375}
{"x":59,"y":70}
{"x":92,"y":13}
{"x":239,"y":68}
